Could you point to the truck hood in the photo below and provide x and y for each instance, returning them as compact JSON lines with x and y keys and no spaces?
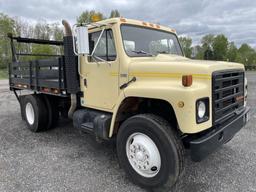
{"x":164,"y":63}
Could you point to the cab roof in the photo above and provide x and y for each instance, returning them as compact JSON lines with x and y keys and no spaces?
{"x":123,"y":20}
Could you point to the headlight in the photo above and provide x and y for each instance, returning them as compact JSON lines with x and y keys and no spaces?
{"x":202,"y":110}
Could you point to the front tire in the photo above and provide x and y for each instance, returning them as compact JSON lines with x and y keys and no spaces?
{"x":150,"y":151}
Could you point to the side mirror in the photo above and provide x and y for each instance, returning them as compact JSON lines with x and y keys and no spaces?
{"x":80,"y":40}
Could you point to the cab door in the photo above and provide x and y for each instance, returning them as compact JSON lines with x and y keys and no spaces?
{"x":100,"y":78}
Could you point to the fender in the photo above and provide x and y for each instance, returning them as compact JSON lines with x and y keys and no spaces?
{"x":173,"y":92}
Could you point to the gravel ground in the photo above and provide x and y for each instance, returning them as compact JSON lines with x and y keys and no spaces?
{"x":64,"y":160}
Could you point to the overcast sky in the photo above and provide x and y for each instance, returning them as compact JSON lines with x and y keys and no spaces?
{"x":195,"y":18}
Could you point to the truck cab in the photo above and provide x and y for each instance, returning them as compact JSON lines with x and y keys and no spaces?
{"x":129,"y":80}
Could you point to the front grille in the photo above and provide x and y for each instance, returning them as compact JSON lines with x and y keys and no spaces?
{"x":227,"y":94}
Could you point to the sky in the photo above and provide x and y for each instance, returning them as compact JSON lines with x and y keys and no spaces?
{"x":194,"y":18}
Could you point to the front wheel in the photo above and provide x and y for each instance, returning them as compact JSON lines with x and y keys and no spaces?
{"x":150,"y":151}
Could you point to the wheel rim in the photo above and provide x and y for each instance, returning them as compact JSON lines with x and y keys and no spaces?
{"x":143,"y":155}
{"x":30,"y":113}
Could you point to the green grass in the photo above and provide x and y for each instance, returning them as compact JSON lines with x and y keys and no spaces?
{"x":3,"y":74}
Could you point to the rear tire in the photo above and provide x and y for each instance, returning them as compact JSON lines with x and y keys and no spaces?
{"x":35,"y":112}
{"x":21,"y":101}
{"x":148,"y":134}
{"x":53,"y":112}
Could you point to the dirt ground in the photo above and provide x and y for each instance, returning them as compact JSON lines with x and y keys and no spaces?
{"x":64,"y":160}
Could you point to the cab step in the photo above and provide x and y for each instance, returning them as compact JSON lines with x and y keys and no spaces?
{"x":93,"y":121}
{"x":87,"y":127}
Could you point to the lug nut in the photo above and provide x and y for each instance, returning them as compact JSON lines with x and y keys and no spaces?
{"x":154,"y":168}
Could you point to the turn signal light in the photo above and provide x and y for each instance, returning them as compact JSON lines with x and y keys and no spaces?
{"x":122,"y":19}
{"x":187,"y":80}
{"x":144,"y":23}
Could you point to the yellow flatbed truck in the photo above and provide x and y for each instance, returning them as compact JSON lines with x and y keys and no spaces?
{"x":129,"y":80}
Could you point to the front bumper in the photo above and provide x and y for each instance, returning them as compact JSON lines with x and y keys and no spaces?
{"x":206,"y":144}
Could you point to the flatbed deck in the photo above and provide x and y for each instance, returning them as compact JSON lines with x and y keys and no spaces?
{"x":40,"y":75}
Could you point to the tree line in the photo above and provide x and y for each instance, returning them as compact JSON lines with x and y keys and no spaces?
{"x":18,"y":27}
{"x":40,"y":30}
{"x":218,"y":47}
{"x":212,"y":47}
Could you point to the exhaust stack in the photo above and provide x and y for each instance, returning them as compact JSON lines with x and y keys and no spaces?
{"x":68,"y":31}
{"x":71,"y":68}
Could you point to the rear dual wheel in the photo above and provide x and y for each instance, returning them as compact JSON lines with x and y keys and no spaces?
{"x":53,"y":112}
{"x":39,"y":112}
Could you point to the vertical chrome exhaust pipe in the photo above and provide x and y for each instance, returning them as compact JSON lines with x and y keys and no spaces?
{"x":71,"y":68}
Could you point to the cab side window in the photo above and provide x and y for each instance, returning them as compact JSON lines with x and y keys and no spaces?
{"x":106,"y":48}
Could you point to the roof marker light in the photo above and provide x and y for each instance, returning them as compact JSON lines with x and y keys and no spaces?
{"x":144,"y":23}
{"x":122,"y":19}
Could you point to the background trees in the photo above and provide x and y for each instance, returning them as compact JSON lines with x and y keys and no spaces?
{"x":91,"y":16}
{"x":246,"y":55}
{"x":41,"y":30}
{"x":232,"y":52}
{"x":7,"y":25}
{"x":114,"y":13}
{"x":88,"y":16}
{"x":207,"y":47}
{"x":217,"y":47}
{"x":211,"y":47}
{"x":220,"y":47}
{"x":186,"y":44}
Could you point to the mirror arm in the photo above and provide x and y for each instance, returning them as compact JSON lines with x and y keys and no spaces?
{"x":94,"y":49}
{"x":97,"y":41}
{"x":92,"y":54}
{"x":96,"y":57}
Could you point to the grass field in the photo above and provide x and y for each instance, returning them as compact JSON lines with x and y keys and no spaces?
{"x":3,"y":74}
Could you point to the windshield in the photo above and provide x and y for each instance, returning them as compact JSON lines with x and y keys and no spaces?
{"x":142,"y":41}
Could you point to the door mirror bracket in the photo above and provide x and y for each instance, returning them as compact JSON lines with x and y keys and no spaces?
{"x":81,"y":41}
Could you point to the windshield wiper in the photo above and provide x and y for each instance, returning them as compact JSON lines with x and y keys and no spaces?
{"x":141,"y":52}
